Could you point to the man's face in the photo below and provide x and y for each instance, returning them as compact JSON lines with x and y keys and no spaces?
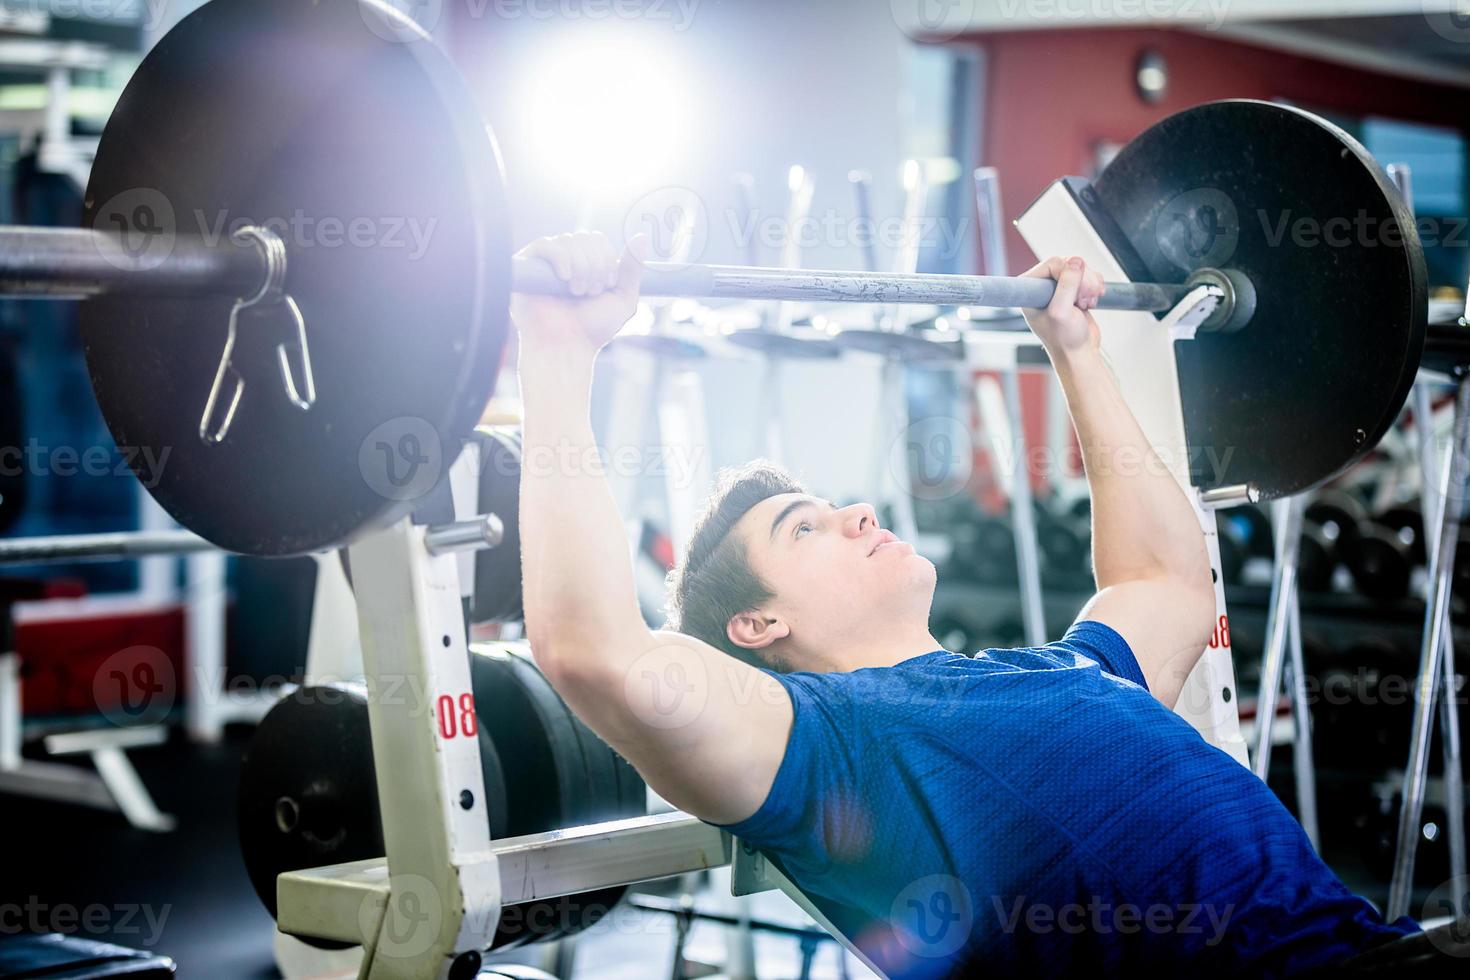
{"x":835,"y":573}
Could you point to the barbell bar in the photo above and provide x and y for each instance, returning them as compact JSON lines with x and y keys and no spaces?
{"x":336,"y":412}
{"x":79,"y":263}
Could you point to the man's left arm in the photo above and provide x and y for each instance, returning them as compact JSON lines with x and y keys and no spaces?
{"x":1149,"y":557}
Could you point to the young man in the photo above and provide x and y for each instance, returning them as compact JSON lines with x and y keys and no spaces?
{"x":1036,"y":811}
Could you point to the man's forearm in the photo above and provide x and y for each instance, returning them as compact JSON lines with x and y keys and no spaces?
{"x":1142,"y":523}
{"x":577,"y":572}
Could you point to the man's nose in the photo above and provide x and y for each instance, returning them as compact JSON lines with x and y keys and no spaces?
{"x":859,"y":519}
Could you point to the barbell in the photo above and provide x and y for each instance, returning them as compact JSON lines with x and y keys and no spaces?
{"x":307,"y":394}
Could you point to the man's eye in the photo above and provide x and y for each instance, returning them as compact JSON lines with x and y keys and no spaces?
{"x":803,"y":526}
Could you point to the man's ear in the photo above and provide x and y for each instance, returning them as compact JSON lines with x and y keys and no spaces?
{"x":755,"y":630}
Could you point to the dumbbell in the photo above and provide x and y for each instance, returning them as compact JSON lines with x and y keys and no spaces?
{"x":1407,"y":522}
{"x":1316,"y":559}
{"x":1381,"y":562}
{"x":1340,"y":514}
{"x":1377,"y":827}
{"x":1245,"y":533}
{"x":984,"y":550}
{"x":1064,"y":541}
{"x":1363,"y":707}
{"x":1379,"y":555}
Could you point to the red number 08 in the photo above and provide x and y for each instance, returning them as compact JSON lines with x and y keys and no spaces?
{"x":459,"y":721}
{"x":1221,"y":635}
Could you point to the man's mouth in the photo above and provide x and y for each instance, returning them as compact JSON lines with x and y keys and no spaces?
{"x":884,"y":537}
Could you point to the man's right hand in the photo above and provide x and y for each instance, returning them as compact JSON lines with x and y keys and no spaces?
{"x":603,"y":287}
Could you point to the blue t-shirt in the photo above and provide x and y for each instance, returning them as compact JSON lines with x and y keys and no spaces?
{"x":1037,"y":812}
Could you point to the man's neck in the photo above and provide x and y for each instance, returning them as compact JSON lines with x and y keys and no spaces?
{"x":880,"y":650}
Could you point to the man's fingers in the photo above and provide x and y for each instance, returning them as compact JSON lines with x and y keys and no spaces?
{"x":557,"y":258}
{"x":607,"y":259}
{"x":1092,"y":289}
{"x":1046,"y":269}
{"x":630,"y":269}
{"x":587,"y":281}
{"x":1068,"y":284}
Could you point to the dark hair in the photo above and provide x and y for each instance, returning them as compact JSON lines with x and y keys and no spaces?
{"x":715,"y":581}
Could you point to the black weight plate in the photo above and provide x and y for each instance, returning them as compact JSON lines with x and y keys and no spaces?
{"x":529,"y":755}
{"x":308,"y":788}
{"x":560,"y":775}
{"x":608,"y":781}
{"x":1320,"y":373}
{"x":365,"y":152}
{"x":498,"y":570}
{"x":577,"y":784}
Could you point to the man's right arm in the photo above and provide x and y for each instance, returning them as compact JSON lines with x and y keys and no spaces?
{"x":706,"y":731}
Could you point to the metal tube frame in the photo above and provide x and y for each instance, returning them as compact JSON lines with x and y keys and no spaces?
{"x":1282,"y":656}
{"x":100,"y":547}
{"x":1431,"y":654}
{"x":1023,"y":513}
{"x":1433,"y":505}
{"x":1288,"y":519}
{"x":1432,"y":502}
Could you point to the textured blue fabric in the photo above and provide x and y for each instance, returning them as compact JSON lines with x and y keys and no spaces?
{"x":1037,"y":812}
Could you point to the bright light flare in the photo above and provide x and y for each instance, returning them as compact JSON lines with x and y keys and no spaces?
{"x":605,"y":116}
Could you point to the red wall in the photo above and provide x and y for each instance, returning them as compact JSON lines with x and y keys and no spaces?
{"x":1050,"y":97}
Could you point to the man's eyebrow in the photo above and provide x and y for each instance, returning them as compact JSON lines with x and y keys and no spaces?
{"x":790,"y":509}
